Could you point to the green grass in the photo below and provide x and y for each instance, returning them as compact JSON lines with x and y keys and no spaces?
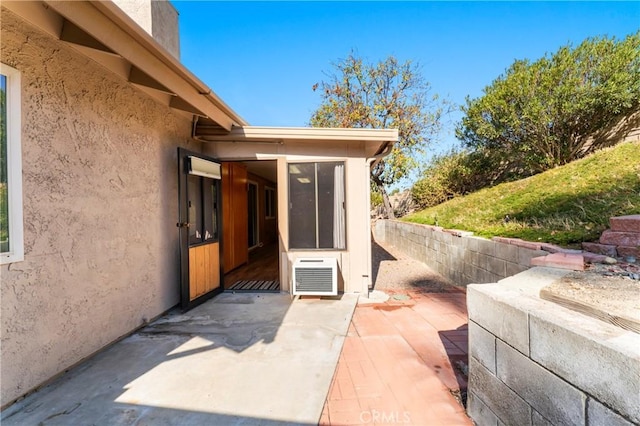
{"x":565,"y":206}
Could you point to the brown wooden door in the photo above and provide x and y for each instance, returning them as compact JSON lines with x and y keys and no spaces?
{"x":240,"y":215}
{"x":199,"y":223}
{"x":235,"y":233}
{"x":227,"y":242}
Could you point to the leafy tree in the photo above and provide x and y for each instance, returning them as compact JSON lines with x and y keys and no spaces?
{"x":388,"y":94}
{"x":546,"y":113}
{"x":376,"y":197}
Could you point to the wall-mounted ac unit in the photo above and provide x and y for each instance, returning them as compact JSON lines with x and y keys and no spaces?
{"x":315,"y":277}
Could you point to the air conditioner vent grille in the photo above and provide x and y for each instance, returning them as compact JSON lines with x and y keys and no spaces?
{"x":315,"y":277}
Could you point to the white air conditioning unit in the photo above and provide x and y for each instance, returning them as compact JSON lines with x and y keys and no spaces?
{"x":315,"y":277}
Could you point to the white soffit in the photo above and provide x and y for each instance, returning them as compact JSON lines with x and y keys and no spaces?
{"x":256,"y":133}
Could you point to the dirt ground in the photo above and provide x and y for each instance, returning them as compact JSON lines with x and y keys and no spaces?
{"x":394,"y":271}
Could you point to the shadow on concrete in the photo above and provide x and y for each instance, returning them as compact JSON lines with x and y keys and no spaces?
{"x":158,"y":363}
{"x":192,"y":418}
{"x":128,"y":414}
{"x":236,"y":359}
{"x":455,"y":343}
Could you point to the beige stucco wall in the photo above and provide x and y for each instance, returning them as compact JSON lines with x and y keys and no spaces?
{"x":355,"y":261}
{"x":100,"y":208}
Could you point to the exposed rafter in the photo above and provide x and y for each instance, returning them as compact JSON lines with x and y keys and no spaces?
{"x":73,"y":34}
{"x":137,"y":76}
{"x":179,"y":103}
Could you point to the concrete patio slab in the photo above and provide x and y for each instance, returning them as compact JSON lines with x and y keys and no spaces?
{"x":238,"y":359}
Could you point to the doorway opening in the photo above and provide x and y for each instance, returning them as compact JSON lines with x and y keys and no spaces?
{"x":253,"y":216}
{"x":250,"y":226}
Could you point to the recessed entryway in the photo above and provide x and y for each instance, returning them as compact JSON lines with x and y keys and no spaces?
{"x":250,"y":226}
{"x":261,"y":273}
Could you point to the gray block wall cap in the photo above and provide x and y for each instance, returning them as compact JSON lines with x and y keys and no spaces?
{"x":531,"y":281}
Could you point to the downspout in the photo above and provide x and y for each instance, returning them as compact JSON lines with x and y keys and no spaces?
{"x":371,"y":163}
{"x":386,"y":149}
{"x":194,"y":136}
{"x":194,"y":124}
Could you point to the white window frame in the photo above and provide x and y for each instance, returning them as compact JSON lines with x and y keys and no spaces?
{"x":14,"y":165}
{"x":270,"y":192}
{"x":344,"y":183}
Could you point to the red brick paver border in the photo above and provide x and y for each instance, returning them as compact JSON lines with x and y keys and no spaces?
{"x":400,"y":363}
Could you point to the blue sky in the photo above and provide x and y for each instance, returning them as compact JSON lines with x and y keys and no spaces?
{"x":263,"y":58}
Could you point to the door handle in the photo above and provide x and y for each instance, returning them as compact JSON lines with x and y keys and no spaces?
{"x":183,"y":224}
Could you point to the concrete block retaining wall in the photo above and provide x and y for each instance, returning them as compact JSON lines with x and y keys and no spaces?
{"x":458,"y":255}
{"x":532,"y":362}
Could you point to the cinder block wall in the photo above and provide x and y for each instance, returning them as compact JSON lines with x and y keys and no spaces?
{"x":532,"y":362}
{"x":457,"y":255}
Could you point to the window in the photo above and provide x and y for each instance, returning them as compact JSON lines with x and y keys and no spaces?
{"x":269,"y":203}
{"x":11,"y":237}
{"x":202,"y":205}
{"x":316,"y":206}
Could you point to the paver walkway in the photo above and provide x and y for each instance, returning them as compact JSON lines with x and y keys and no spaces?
{"x":403,"y":360}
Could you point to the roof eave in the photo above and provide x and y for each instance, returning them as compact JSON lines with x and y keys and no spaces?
{"x":106,"y":34}
{"x":124,"y":21}
{"x":260,"y":134}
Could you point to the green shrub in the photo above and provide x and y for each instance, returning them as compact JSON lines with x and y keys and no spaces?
{"x":446,"y":176}
{"x":376,"y":197}
{"x":432,"y":188}
{"x":461,"y":172}
{"x":566,"y":205}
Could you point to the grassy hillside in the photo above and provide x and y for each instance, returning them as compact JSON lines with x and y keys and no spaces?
{"x":566,"y":205}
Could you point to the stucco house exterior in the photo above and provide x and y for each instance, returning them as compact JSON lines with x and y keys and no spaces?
{"x":130,"y":187}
